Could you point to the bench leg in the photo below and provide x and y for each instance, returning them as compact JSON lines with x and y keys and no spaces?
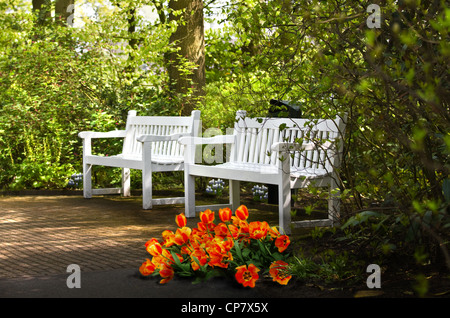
{"x":147,"y":188}
{"x":189,"y":193}
{"x":126,"y":184}
{"x":87,"y":181}
{"x":235,"y":194}
{"x":334,"y":203}
{"x":284,"y":204}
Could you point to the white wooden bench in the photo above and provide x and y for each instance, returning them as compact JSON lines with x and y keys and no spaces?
{"x":305,"y":152}
{"x":149,"y":144}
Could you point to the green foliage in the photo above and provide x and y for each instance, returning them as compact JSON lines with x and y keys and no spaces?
{"x":382,"y":234}
{"x":56,"y":81}
{"x":393,"y":83}
{"x":327,"y":266}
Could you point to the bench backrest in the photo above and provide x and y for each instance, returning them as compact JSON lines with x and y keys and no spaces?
{"x":255,"y":136}
{"x":160,"y":126}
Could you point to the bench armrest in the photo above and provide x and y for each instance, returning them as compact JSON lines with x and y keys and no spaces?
{"x":220,"y":139}
{"x":153,"y":138}
{"x":109,"y":134}
{"x":293,"y":146}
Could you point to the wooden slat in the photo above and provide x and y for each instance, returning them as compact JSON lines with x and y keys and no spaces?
{"x":312,"y":223}
{"x":263,"y":146}
{"x":164,"y":201}
{"x":106,"y":191}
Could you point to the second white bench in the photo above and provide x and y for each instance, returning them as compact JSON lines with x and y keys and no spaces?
{"x":290,"y":153}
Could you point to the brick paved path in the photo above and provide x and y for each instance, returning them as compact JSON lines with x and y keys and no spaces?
{"x":42,"y":235}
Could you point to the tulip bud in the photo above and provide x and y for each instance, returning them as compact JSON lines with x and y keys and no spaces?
{"x":225,"y":214}
{"x":181,"y":220}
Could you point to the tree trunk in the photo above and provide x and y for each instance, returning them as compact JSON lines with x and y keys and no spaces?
{"x":41,"y":8}
{"x":189,"y":39}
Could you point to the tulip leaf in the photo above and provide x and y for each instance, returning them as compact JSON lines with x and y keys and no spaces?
{"x":238,"y":249}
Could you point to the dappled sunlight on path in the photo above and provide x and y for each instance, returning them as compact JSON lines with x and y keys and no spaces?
{"x":42,"y":235}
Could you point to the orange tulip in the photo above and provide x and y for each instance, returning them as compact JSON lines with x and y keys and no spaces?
{"x":242,"y":213}
{"x":242,"y":226}
{"x":221,"y":230}
{"x":182,"y":235}
{"x":198,"y":258}
{"x":147,"y":268}
{"x":207,"y":216}
{"x":196,"y":240}
{"x":153,"y":247}
{"x":273,"y":232}
{"x":201,"y":227}
{"x":228,"y":244}
{"x":258,"y":230}
{"x":219,"y":246}
{"x":247,"y":276}
{"x":168,"y":237}
{"x":219,"y":252}
{"x":279,"y":271}
{"x":181,"y":220}
{"x":159,"y":261}
{"x":225,"y":214}
{"x":220,"y":259}
{"x":166,"y":258}
{"x":282,"y":242}
{"x":167,"y":273}
{"x":186,"y":249}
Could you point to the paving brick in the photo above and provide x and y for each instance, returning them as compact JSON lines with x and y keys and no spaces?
{"x":42,"y":235}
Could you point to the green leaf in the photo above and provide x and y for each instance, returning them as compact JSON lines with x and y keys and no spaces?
{"x":237,"y":247}
{"x":246,"y":252}
{"x":361,"y":218}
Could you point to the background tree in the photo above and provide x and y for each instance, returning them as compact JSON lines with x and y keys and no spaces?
{"x":186,"y":63}
{"x":42,"y":11}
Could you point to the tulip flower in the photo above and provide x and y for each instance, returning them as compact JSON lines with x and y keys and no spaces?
{"x":181,"y":220}
{"x":247,"y":276}
{"x":198,"y":258}
{"x":258,"y":230}
{"x":242,"y":213}
{"x":153,"y":247}
{"x":225,"y":214}
{"x":207,"y":216}
{"x":282,"y":242}
{"x":167,"y":273}
{"x":221,"y":230}
{"x":147,"y":268}
{"x":241,"y":225}
{"x":220,"y":260}
{"x":273,"y":232}
{"x":168,"y":237}
{"x":182,"y":235}
{"x":280,"y":273}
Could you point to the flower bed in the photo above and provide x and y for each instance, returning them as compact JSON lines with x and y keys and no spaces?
{"x":232,"y":246}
